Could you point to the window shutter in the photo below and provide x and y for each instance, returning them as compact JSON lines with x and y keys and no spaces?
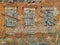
{"x":20,"y":0}
{"x":48,"y":16}
{"x":11,"y":12}
{"x":29,"y":0}
{"x":29,"y":16}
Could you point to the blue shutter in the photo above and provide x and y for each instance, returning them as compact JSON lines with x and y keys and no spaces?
{"x":43,"y":43}
{"x":11,"y":12}
{"x":48,"y":17}
{"x":5,"y":0}
{"x":8,"y":0}
{"x":29,"y":0}
{"x":29,"y":17}
{"x":29,"y":21}
{"x":20,"y":0}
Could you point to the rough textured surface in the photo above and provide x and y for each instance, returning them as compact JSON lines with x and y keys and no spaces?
{"x":20,"y":29}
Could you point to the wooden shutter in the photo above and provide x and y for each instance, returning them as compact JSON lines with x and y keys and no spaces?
{"x":43,"y":43}
{"x":20,"y":0}
{"x":31,"y":0}
{"x":11,"y":11}
{"x":48,"y":16}
{"x":29,"y":16}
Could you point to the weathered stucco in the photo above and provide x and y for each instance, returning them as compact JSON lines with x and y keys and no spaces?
{"x":20,"y":28}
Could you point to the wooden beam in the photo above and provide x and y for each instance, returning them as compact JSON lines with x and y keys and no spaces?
{"x":10,"y":16}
